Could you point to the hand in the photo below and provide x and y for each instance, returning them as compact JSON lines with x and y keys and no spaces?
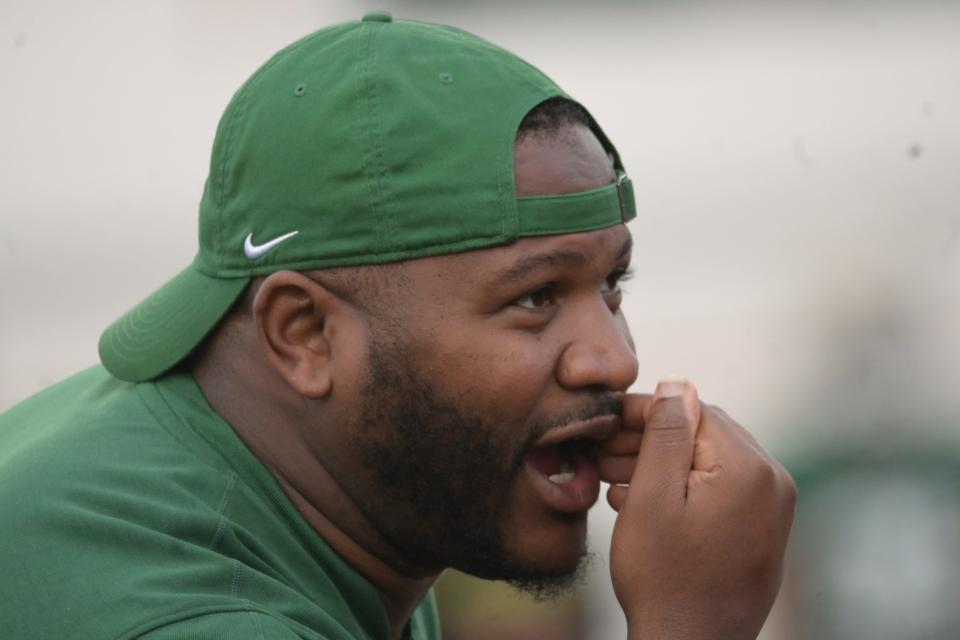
{"x":697,"y":549}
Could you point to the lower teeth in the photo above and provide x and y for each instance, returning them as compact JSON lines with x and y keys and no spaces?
{"x":566,"y":474}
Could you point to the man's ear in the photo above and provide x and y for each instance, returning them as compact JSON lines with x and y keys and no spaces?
{"x":291,"y":314}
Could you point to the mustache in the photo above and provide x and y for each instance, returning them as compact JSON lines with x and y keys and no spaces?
{"x":604,"y":404}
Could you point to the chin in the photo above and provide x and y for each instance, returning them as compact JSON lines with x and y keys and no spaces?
{"x":552,"y":563}
{"x":554,"y":547}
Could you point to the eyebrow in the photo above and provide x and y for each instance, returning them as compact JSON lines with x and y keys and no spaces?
{"x":559,"y":258}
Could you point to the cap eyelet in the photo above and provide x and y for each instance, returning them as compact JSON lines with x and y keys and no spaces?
{"x":446,"y":78}
{"x":300,"y":89}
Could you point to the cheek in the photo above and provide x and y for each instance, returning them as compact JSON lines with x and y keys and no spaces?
{"x":501,"y":377}
{"x":351,"y":362}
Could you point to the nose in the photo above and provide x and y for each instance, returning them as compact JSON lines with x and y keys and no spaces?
{"x":600,"y":352}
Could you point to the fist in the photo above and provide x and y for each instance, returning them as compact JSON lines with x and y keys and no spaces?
{"x":703,"y":519}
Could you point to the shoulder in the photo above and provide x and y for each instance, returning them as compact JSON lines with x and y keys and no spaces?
{"x":84,"y":414}
{"x":108,"y":519}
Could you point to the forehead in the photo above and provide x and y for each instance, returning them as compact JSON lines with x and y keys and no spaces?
{"x":568,"y":160}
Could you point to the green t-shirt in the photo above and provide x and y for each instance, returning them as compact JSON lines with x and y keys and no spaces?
{"x":134,"y":511}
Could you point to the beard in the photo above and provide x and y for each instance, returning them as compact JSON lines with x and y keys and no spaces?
{"x":442,"y":478}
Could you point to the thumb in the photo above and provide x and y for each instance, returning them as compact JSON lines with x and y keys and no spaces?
{"x":666,"y":453}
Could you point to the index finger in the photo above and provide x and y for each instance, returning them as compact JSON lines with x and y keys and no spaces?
{"x":626,"y":441}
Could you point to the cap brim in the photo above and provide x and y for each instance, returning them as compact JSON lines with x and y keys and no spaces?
{"x":164,"y":328}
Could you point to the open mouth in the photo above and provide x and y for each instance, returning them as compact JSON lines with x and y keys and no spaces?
{"x":562,"y":465}
{"x":559,"y":463}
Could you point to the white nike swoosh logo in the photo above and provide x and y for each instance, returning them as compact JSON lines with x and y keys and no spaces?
{"x":255,"y":251}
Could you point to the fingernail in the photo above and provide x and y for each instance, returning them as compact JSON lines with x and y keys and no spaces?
{"x":671,"y":386}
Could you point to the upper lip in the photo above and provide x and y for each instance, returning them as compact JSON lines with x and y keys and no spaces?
{"x":597,"y":428}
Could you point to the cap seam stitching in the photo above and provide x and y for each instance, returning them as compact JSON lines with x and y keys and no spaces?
{"x":386,"y":218}
{"x":366,"y":100}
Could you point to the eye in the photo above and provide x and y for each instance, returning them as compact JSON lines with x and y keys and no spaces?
{"x":538,"y":299}
{"x":616,"y":278}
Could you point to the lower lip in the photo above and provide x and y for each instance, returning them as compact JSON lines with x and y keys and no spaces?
{"x":575,"y":496}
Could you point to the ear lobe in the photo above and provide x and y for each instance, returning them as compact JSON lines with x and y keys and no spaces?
{"x":290,"y":311}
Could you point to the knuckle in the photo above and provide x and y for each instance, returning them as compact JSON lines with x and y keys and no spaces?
{"x":789,"y":487}
{"x":775,"y":484}
{"x":765,"y":472}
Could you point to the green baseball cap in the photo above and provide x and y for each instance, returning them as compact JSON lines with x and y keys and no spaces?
{"x":367,"y":142}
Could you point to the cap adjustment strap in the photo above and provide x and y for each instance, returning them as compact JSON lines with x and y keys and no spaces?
{"x":575,"y":212}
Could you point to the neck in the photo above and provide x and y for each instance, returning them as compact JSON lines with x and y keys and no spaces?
{"x":400,"y":593}
{"x":316,"y":494}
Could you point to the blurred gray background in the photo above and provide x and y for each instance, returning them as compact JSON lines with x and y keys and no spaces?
{"x":797,"y":168}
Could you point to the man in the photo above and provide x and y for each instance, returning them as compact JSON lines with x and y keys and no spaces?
{"x":399,"y":349}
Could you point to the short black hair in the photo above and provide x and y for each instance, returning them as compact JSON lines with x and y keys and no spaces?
{"x":552,"y":115}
